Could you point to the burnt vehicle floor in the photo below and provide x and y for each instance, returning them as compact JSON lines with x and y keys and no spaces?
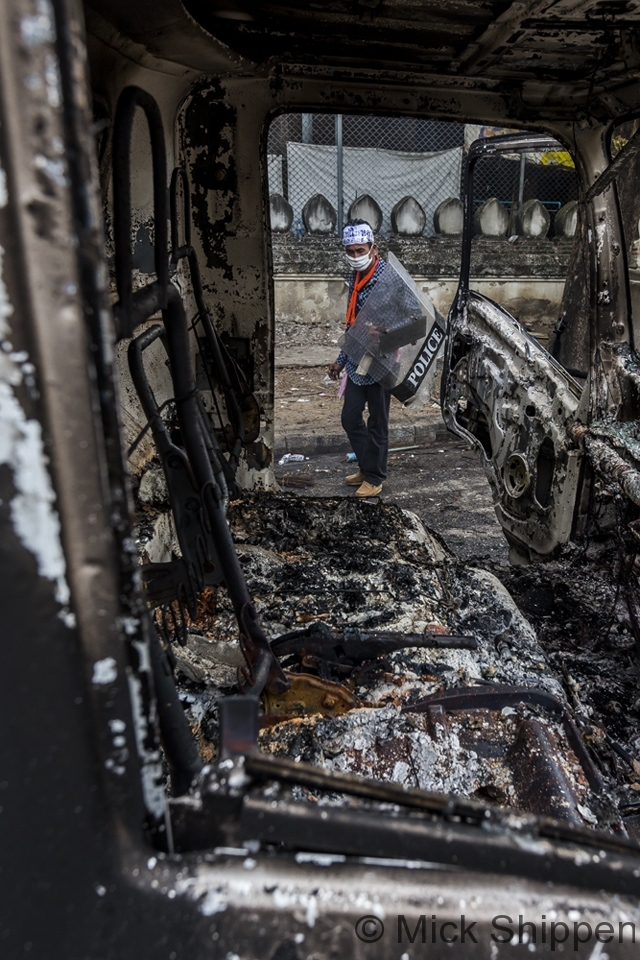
{"x":318,"y":556}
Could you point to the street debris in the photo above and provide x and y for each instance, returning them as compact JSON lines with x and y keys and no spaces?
{"x":298,"y":479}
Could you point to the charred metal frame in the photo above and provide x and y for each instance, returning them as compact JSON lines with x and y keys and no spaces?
{"x":130,"y":311}
{"x":228,"y":815}
{"x":511,"y":399}
{"x":241,"y":406}
{"x":179,"y":579}
{"x":546,"y":437}
{"x":82,"y":795}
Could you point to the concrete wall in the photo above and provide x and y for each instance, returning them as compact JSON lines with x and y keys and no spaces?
{"x":526,"y":278}
{"x":322,"y":301}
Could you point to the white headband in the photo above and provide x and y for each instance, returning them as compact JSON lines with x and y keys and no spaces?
{"x":360,"y":233}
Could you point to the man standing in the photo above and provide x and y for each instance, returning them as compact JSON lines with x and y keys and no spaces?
{"x":369,"y":441}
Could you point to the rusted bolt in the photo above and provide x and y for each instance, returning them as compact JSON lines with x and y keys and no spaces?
{"x":576,"y":430}
{"x":329,"y":702}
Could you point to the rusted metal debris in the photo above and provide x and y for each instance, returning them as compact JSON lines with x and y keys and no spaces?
{"x":327,"y":651}
{"x":513,"y":756}
{"x":543,"y":758}
{"x":307,"y":696}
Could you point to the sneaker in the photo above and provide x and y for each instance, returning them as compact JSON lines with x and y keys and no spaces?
{"x":355,"y":479}
{"x":368,"y":490}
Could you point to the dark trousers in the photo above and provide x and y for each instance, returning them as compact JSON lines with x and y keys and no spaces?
{"x":369,"y":441}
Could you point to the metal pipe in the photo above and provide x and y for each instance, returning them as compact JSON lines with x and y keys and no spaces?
{"x":179,"y":745}
{"x":523,"y":160}
{"x":307,"y":128}
{"x":132,"y":309}
{"x":339,"y":171}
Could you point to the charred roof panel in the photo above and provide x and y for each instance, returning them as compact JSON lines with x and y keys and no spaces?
{"x":567,"y":36}
{"x":569,"y":58}
{"x":409,"y":34}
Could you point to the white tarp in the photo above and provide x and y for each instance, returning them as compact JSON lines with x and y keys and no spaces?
{"x":274,"y":168}
{"x":386,"y":175}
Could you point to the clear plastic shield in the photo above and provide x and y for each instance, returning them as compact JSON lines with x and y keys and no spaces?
{"x":391,"y":328}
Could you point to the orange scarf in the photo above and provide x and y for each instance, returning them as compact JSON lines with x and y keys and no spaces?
{"x":361,"y":280}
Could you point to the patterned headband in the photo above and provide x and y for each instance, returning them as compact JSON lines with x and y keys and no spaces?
{"x":360,"y":233}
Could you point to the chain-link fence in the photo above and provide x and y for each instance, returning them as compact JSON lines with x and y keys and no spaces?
{"x":389,"y":158}
{"x":514,"y":180}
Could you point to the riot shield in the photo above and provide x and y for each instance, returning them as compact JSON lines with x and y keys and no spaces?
{"x":392,"y":331}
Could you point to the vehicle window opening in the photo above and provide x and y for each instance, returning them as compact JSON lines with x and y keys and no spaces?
{"x":534,"y":208}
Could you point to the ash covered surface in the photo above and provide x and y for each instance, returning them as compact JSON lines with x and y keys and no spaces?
{"x":579,"y":608}
{"x":479,"y":755}
{"x":376,"y":567}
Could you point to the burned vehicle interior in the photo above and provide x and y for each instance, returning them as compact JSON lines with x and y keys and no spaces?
{"x":234,"y":667}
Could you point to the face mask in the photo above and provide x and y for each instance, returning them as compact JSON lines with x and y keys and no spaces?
{"x":360,"y":263}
